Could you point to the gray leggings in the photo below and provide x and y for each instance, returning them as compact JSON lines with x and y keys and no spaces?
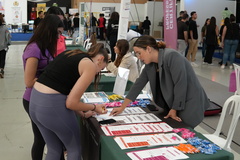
{"x":58,"y":125}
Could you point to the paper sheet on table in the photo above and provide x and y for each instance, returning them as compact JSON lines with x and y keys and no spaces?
{"x":134,"y":118}
{"x":126,"y":142}
{"x":121,"y":81}
{"x":140,"y":128}
{"x":157,"y":153}
{"x":126,"y":111}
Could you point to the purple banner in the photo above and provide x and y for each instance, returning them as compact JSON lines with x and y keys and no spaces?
{"x":170,"y":23}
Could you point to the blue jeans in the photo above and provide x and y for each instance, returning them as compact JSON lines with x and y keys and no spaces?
{"x":230,"y":48}
{"x":204,"y":47}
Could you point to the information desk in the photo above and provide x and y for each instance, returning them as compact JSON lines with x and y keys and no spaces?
{"x":106,"y":84}
{"x":110,"y":150}
{"x":98,"y":146}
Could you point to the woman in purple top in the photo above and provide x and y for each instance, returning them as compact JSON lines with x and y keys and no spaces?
{"x":37,"y":54}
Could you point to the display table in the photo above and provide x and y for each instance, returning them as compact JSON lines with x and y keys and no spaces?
{"x":110,"y":150}
{"x":98,"y":146}
{"x":106,"y":84}
{"x":21,"y":36}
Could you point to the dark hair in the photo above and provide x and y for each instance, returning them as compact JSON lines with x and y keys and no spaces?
{"x":181,"y":12}
{"x":184,"y":16}
{"x":46,"y":34}
{"x":114,"y":16}
{"x":192,"y":13}
{"x":232,"y":18}
{"x":39,"y":12}
{"x":146,"y":40}
{"x":226,"y":21}
{"x":213,"y":22}
{"x":123,"y":46}
{"x":205,"y":24}
{"x":55,"y":10}
{"x":93,"y":52}
{"x":1,"y":19}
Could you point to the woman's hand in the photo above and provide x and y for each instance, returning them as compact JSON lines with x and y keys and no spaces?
{"x":173,"y":114}
{"x":116,"y":111}
{"x":100,"y":109}
{"x":222,"y":45}
{"x":89,"y":114}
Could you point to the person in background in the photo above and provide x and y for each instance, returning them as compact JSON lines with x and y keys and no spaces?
{"x":182,"y":40}
{"x":174,"y":84}
{"x":38,"y":20}
{"x":93,"y":24}
{"x":38,"y":53}
{"x":211,"y":33}
{"x":124,"y":59}
{"x":101,"y":26}
{"x":61,"y":45}
{"x":230,"y":40}
{"x":112,"y":32}
{"x":3,"y":45}
{"x":226,"y":23}
{"x":76,"y":21}
{"x":146,"y":26}
{"x":192,"y":39}
{"x":56,"y":95}
{"x":181,"y":13}
{"x":203,"y":37}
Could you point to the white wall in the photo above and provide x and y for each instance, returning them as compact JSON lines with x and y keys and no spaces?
{"x":9,"y":11}
{"x":138,"y":12}
{"x":208,"y":8}
{"x":154,"y":11}
{"x":134,"y":13}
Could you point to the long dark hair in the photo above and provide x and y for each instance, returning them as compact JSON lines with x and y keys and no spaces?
{"x":93,"y":52}
{"x":205,"y":24}
{"x":146,"y":40}
{"x":123,"y":46}
{"x":114,"y":16}
{"x":46,"y":34}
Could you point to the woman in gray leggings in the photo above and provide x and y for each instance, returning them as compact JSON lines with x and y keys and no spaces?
{"x":56,"y":97}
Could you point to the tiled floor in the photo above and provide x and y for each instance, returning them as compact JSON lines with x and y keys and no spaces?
{"x":15,"y":129}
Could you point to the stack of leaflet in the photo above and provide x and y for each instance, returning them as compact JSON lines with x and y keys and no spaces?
{"x":95,"y":97}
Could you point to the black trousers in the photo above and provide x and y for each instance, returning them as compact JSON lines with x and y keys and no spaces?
{"x":209,"y":53}
{"x":2,"y":58}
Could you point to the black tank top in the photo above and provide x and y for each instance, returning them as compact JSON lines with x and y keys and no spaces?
{"x":62,"y":73}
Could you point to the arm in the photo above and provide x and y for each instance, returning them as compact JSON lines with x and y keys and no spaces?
{"x":112,"y":68}
{"x":191,"y":34}
{"x":30,"y":72}
{"x":87,"y":70}
{"x":185,"y":36}
{"x":217,"y":31}
{"x":202,"y":34}
{"x":133,"y":93}
{"x":125,"y":63}
{"x":223,"y":36}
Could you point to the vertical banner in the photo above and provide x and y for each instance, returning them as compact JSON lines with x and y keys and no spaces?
{"x":123,"y":19}
{"x":170,"y":23}
{"x":82,"y":22}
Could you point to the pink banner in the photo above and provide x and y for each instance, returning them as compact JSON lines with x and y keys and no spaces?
{"x":170,"y":23}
